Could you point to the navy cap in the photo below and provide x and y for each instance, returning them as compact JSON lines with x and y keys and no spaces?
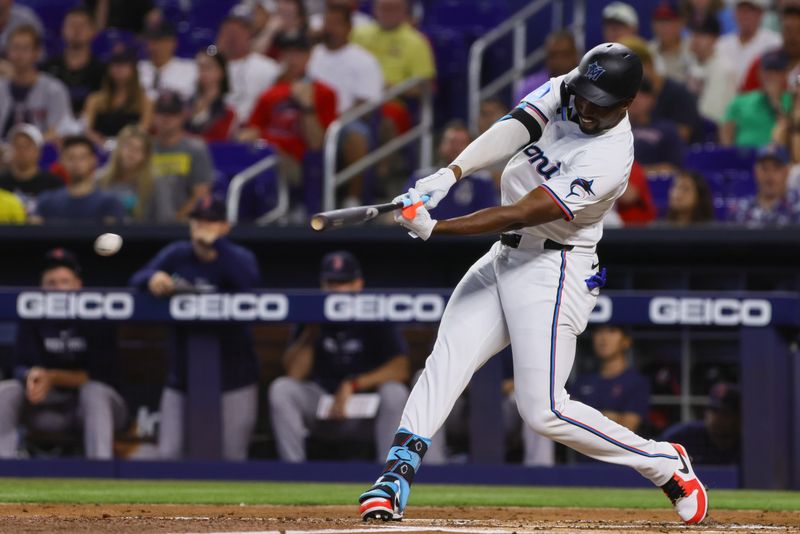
{"x":775,"y":60}
{"x":707,"y":26}
{"x":209,"y":208}
{"x":61,"y":257}
{"x":724,"y":397}
{"x":169,"y":103}
{"x":775,"y":152}
{"x":162,"y":30}
{"x":340,"y":266}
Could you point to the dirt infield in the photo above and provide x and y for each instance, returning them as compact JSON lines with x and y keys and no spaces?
{"x":337,"y":519}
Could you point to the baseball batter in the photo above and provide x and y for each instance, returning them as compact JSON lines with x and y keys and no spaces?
{"x":572,"y":153}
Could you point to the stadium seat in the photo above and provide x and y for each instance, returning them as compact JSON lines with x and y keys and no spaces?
{"x":659,"y":189}
{"x":259,"y":195}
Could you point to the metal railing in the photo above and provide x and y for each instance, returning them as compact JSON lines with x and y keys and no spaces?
{"x":522,"y":59}
{"x":241,"y":179}
{"x":422,"y":132}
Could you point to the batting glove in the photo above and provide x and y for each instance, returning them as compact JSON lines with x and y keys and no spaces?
{"x":420,"y":225}
{"x":436,"y":186}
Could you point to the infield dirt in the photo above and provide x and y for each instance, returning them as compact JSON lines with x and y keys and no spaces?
{"x":64,"y":518}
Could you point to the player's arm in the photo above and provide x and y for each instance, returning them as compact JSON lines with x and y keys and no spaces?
{"x":505,"y":138}
{"x":299,"y":357}
{"x":397,"y":369}
{"x":537,"y":207}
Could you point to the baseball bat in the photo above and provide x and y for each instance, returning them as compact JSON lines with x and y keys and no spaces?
{"x":328,"y":220}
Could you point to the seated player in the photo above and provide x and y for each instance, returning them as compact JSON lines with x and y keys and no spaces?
{"x":63,"y":374}
{"x":338,"y":359}
{"x":616,"y":389}
{"x":208,"y":262}
{"x":717,"y":439}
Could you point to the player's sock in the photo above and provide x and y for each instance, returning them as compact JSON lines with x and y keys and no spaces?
{"x":387,"y":498}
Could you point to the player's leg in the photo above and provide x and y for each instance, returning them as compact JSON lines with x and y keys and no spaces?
{"x":551,"y":306}
{"x":472,"y":330}
{"x":293,"y":406}
{"x":102,"y":411}
{"x":239,"y":414}
{"x":170,"y":428}
{"x":12,"y":397}
{"x":394,"y":396}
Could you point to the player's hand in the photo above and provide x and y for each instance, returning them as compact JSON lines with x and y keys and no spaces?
{"x":421,"y":225}
{"x":340,"y":400}
{"x":37,"y":384}
{"x":161,"y":284}
{"x":436,"y":186}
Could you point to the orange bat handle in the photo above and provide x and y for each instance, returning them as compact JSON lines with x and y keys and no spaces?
{"x":409,"y":212}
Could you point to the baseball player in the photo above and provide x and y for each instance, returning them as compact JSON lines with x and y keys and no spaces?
{"x":572,"y":152}
{"x":65,"y":371}
{"x":207,"y":263}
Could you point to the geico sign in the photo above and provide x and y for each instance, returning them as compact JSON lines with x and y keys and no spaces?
{"x":88,"y":305}
{"x":603,"y":309}
{"x":366,"y":307}
{"x":720,"y":312}
{"x":238,"y":307}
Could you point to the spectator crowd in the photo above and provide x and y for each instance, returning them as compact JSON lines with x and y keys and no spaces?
{"x":276,"y":73}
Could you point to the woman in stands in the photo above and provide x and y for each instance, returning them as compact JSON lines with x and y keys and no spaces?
{"x":211,"y":118}
{"x":129,"y":173}
{"x":689,"y":200}
{"x":120,"y":102}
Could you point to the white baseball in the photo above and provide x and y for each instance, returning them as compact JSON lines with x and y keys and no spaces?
{"x":107,"y":244}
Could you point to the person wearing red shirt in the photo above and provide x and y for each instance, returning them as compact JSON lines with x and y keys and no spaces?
{"x":294,"y":113}
{"x":636,"y":206}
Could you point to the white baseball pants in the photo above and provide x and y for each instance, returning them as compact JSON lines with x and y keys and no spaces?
{"x":537,"y":300}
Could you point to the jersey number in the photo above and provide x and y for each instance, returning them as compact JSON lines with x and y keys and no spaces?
{"x":537,"y":158}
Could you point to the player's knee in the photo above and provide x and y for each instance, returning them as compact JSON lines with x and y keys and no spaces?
{"x":11,"y":392}
{"x":93,"y":392}
{"x":393,"y":394}
{"x":282,"y":390}
{"x":541,"y":419}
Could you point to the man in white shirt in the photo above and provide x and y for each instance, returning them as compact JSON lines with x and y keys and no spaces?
{"x":163,"y":71}
{"x":249,"y":73}
{"x":355,"y":75}
{"x":711,"y":77}
{"x":316,"y":20}
{"x":752,"y":41}
{"x":669,"y":46}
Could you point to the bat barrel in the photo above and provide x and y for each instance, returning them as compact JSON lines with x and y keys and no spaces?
{"x":320,"y":222}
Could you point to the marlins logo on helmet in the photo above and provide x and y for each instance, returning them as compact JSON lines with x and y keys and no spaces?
{"x":594,"y":71}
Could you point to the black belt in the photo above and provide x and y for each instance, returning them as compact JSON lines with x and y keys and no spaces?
{"x":513,"y":241}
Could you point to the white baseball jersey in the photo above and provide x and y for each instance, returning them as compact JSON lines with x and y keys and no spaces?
{"x":583,"y":173}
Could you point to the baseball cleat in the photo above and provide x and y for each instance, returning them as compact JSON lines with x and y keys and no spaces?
{"x":378,"y":508}
{"x":687,"y":493}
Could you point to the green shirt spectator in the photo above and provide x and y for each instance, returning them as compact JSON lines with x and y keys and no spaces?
{"x":754,"y":118}
{"x":751,"y":117}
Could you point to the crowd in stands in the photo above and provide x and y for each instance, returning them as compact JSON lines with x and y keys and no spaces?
{"x":277,"y":73}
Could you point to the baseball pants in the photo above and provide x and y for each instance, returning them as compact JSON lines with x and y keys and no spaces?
{"x":537,"y":300}
{"x":293,"y":407}
{"x":95,"y":406}
{"x":239,"y":413}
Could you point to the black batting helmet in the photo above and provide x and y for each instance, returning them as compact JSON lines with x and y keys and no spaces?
{"x":608,"y":74}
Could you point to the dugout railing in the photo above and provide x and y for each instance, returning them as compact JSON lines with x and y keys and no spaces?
{"x":764,"y":324}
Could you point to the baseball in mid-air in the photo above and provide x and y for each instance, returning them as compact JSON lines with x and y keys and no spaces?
{"x":107,"y":244}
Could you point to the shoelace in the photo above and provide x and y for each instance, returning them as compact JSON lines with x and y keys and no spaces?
{"x":674,"y":490}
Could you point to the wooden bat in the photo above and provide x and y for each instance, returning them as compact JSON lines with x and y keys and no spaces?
{"x":328,"y":220}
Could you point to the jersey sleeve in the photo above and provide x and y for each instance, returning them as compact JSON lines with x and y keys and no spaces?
{"x":589,"y":182}
{"x":544,"y":102}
